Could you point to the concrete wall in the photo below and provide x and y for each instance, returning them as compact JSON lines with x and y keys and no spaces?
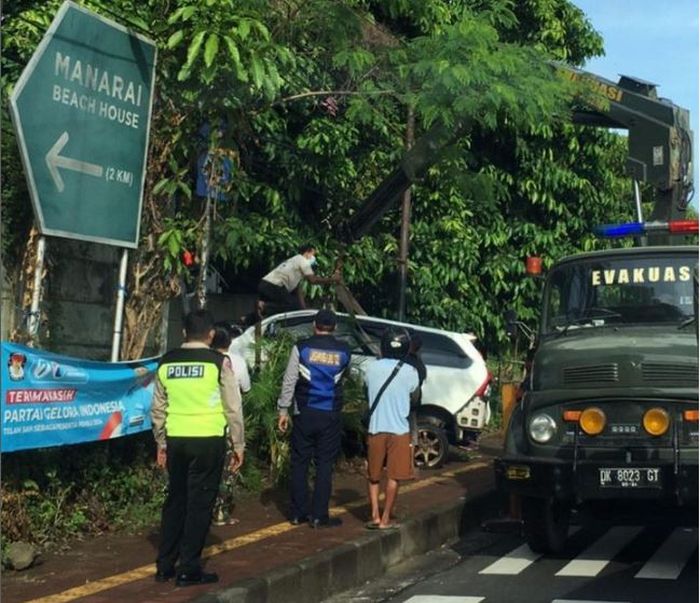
{"x":79,"y":300}
{"x":223,"y":306}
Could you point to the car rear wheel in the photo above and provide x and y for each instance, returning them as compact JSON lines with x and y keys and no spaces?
{"x":432,"y":447}
{"x":546,"y":524}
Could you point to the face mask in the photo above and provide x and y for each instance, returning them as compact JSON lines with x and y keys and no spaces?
{"x":312,"y":260}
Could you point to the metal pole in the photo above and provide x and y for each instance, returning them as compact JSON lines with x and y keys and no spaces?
{"x":119,"y":312}
{"x":405,"y":225}
{"x":36,"y":292}
{"x":638,"y":201}
{"x":640,"y":241}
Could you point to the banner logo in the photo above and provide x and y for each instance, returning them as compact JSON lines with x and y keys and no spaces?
{"x":15,"y":366}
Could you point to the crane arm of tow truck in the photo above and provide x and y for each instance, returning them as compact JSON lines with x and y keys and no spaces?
{"x":659,"y":134}
{"x":659,"y":147}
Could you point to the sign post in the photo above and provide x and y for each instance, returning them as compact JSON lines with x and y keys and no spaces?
{"x":82,"y":112}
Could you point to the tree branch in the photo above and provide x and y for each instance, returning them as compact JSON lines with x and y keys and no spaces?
{"x":294,"y":97}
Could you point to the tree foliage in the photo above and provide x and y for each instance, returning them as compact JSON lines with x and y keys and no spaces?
{"x":306,"y":102}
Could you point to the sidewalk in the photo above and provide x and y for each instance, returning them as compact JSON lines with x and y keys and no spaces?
{"x":264,"y":558}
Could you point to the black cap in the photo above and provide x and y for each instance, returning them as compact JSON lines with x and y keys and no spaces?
{"x":325,"y":318}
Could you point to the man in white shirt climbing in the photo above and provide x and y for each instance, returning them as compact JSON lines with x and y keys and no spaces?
{"x":280,"y":289}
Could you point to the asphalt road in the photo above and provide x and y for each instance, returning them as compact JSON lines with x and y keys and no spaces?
{"x":631,"y":556}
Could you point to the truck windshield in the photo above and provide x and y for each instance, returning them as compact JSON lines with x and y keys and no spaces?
{"x":618,"y":291}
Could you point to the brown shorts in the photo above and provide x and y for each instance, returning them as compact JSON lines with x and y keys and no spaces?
{"x":393,"y":450}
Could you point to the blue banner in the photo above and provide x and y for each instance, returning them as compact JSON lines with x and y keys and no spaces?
{"x":53,"y":400}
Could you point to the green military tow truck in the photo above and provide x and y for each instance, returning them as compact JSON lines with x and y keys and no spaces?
{"x":610,"y":403}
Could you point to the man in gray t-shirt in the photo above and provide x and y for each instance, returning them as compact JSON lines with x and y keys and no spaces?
{"x":280,"y":289}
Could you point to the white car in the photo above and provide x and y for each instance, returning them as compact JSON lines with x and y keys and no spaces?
{"x":453,"y":408}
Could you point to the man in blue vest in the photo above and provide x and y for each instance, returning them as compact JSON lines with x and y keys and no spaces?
{"x":312,"y":388}
{"x":195,"y":398}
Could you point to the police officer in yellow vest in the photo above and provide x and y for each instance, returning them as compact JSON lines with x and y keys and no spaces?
{"x":196,"y":397}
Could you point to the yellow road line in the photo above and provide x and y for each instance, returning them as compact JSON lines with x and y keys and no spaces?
{"x":146,"y":571}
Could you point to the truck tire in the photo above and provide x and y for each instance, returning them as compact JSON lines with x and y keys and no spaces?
{"x":433,"y":446}
{"x":546,"y":524}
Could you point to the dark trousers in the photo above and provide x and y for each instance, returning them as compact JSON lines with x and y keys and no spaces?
{"x":278,"y":298}
{"x":315,"y":434}
{"x":194,"y":472}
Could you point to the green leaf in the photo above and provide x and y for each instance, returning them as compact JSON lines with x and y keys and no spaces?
{"x":164,"y":237}
{"x":139,"y":22}
{"x":175,"y":39}
{"x":173,"y":246}
{"x":264,"y":32}
{"x":243,"y":28}
{"x":210,"y":49}
{"x":160,"y":186}
{"x":186,"y":190}
{"x":257,"y":71}
{"x":194,"y":48}
{"x":176,"y":15}
{"x":233,"y":50}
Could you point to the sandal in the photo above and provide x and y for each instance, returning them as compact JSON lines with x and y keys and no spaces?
{"x":372,"y":525}
{"x":391,"y":526}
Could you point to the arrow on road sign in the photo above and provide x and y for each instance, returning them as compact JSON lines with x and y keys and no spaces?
{"x":54,"y":160}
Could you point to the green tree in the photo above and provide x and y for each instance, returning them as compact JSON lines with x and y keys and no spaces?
{"x":305,"y":102}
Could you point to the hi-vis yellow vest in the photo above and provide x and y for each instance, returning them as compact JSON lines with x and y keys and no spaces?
{"x":190,"y":377}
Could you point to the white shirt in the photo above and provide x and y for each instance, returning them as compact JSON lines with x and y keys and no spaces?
{"x":290,"y":272}
{"x":240,"y":370}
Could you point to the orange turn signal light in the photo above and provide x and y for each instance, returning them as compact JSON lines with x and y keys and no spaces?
{"x":656,"y":421}
{"x":592,"y":420}
{"x":690,"y":415}
{"x":571,"y":415}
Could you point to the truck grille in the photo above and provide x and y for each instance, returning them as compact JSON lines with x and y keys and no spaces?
{"x":592,"y":374}
{"x":664,"y":372}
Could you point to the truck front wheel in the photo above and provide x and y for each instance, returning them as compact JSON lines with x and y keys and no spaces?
{"x":546,"y":524}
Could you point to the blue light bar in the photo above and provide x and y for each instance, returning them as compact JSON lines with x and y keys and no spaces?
{"x":620,"y":230}
{"x":635,"y":229}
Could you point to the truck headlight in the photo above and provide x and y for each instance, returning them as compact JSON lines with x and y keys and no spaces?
{"x":656,"y":421}
{"x":592,"y":421}
{"x":542,"y":428}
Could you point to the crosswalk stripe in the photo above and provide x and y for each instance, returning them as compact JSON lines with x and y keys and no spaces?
{"x":592,"y":561}
{"x":518,"y":559}
{"x":442,"y":599}
{"x":514,"y":562}
{"x":670,"y":558}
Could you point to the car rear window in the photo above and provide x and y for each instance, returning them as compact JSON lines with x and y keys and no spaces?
{"x":437,"y":350}
{"x":300,"y":327}
{"x":442,"y":351}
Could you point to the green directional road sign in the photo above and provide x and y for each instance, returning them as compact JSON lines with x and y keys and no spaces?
{"x":82,"y":111}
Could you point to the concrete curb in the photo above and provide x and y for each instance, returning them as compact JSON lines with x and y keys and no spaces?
{"x":356,"y":562}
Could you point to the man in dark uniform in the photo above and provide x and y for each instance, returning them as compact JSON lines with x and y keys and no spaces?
{"x":195,"y":398}
{"x":313,"y":383}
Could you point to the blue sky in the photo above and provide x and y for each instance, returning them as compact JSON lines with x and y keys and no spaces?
{"x":653,"y":40}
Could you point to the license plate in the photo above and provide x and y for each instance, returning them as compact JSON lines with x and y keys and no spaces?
{"x":630,"y":477}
